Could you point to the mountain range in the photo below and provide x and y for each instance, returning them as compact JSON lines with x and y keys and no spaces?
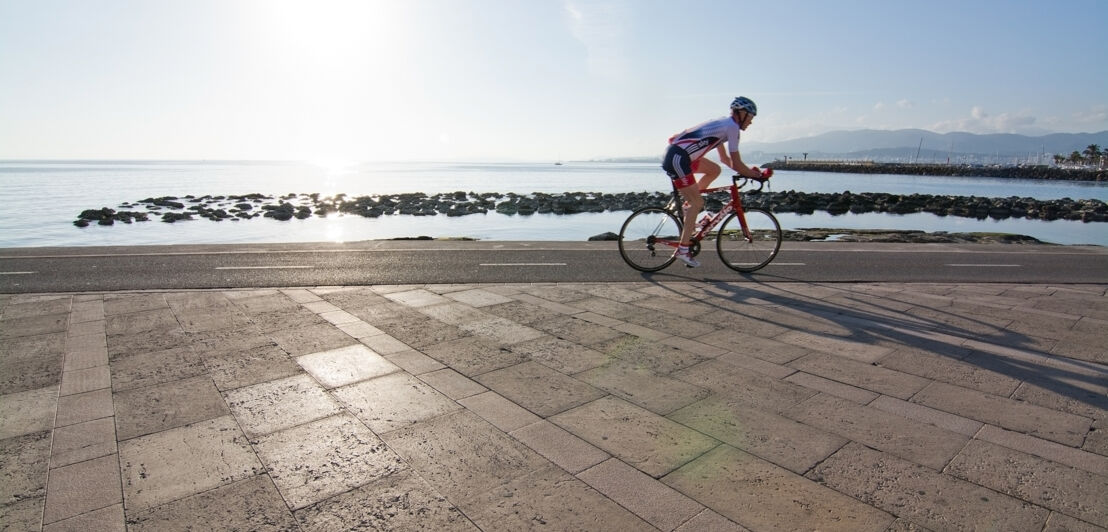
{"x":918,"y":145}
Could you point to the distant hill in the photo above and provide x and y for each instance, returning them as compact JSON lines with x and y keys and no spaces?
{"x":902,"y":146}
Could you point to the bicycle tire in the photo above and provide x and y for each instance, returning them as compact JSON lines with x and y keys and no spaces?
{"x":638,"y":236}
{"x":745,"y":256}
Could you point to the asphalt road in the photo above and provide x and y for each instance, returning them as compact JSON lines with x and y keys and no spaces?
{"x":44,"y":270}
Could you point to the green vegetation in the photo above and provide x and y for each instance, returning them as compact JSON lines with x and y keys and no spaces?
{"x":1091,"y":156}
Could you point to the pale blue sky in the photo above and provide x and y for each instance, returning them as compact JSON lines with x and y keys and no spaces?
{"x":330,"y":80}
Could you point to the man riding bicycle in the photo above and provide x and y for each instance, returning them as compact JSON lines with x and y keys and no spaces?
{"x":683,"y":158}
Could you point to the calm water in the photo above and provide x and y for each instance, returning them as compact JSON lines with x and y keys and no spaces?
{"x":40,"y":200}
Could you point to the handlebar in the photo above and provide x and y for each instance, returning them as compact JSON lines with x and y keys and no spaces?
{"x":766,"y":174}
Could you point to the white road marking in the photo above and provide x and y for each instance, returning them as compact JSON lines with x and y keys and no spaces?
{"x":984,"y":265}
{"x":260,"y":267}
{"x":17,"y":273}
{"x":522,"y":264}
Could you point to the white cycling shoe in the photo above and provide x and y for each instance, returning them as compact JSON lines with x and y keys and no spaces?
{"x":687,"y":258}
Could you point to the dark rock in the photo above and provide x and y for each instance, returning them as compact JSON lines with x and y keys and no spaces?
{"x":282,"y":211}
{"x":839,"y":203}
{"x":97,"y":214}
{"x":106,"y":216}
{"x":165,"y":201}
{"x":172,"y":217}
{"x":604,"y":236}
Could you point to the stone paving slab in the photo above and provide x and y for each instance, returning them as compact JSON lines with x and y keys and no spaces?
{"x":249,"y":504}
{"x":176,"y":463}
{"x":762,"y":496}
{"x":922,"y":495}
{"x":1075,"y":492}
{"x":577,"y":406}
{"x":549,"y":497}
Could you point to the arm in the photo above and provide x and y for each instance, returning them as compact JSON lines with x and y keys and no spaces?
{"x":723,"y":157}
{"x":736,"y":162}
{"x":741,"y":168}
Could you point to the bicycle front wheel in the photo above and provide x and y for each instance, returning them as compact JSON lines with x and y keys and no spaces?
{"x":749,"y":254}
{"x":646,"y":237}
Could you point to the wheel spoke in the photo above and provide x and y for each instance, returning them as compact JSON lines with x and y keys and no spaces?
{"x":751,"y":248}
{"x":646,"y":239}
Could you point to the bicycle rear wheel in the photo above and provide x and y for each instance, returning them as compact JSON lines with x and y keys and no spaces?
{"x":741,"y":254}
{"x":644,"y":236}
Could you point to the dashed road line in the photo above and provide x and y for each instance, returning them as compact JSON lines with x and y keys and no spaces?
{"x":262,"y":267}
{"x":522,"y":264}
{"x":984,"y":265}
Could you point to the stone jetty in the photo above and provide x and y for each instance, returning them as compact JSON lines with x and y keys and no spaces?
{"x":959,"y":170}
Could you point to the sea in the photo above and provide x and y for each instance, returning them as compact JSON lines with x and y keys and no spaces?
{"x":39,"y":200}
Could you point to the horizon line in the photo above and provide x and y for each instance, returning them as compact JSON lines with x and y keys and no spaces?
{"x":337,"y":162}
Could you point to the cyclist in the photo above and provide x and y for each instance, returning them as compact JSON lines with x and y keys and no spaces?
{"x":684,"y":155}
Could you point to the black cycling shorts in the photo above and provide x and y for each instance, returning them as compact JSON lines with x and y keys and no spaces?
{"x":679,"y":167}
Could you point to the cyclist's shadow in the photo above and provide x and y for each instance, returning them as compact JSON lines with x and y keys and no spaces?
{"x":902,"y":320}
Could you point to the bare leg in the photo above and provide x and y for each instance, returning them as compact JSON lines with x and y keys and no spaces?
{"x":711,"y":171}
{"x":690,"y":194}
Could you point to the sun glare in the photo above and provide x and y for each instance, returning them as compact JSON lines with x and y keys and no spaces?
{"x":335,"y":231}
{"x":333,"y":166}
{"x":331,"y":62}
{"x":321,"y":28}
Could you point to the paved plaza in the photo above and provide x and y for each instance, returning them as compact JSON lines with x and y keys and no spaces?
{"x":629,"y":406}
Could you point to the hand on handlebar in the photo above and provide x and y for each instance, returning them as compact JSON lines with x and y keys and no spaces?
{"x":763,"y":174}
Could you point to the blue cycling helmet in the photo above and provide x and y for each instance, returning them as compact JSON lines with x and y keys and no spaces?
{"x":742,"y":103}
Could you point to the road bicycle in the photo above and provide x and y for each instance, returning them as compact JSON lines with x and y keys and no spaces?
{"x":747,"y":240}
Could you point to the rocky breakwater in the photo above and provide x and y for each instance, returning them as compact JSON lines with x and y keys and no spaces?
{"x":172,"y":209}
{"x":1086,"y":210}
{"x":301,"y":206}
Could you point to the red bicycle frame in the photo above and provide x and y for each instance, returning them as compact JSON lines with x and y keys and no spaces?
{"x":706,"y":225}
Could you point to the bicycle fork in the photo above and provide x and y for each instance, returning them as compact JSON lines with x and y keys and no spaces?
{"x":742,"y":223}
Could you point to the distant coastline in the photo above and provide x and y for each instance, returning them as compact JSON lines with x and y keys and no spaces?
{"x":1017,"y":172}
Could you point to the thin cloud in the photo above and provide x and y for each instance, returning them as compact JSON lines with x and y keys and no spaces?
{"x":1096,"y":115}
{"x":598,"y":25}
{"x":980,"y":121}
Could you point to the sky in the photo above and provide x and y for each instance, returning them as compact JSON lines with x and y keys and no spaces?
{"x":527,"y":80}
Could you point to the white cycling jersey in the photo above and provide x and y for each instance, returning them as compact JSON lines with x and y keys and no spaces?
{"x":698,"y":140}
